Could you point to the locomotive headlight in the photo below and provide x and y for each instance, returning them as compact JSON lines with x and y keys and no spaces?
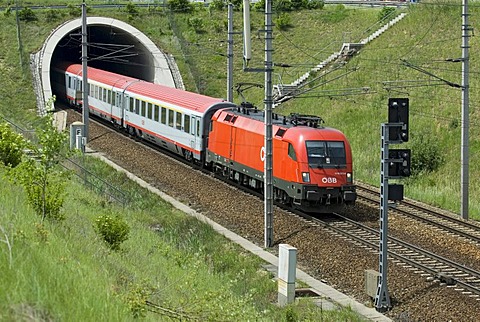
{"x":349,"y":177}
{"x":306,"y":176}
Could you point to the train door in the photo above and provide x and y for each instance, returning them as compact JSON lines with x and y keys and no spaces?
{"x":76,"y":86}
{"x":194,"y":133}
{"x":123,"y":101}
{"x":117,"y":110}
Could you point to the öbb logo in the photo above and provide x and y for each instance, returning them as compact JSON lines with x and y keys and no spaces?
{"x":329,"y":180}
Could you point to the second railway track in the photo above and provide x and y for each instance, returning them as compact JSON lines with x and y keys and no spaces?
{"x":457,"y":226}
{"x":462,"y":278}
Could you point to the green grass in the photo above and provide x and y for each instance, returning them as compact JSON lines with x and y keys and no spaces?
{"x":426,"y":37}
{"x":65,"y":271}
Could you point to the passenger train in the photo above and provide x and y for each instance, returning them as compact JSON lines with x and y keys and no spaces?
{"x":312,"y":164}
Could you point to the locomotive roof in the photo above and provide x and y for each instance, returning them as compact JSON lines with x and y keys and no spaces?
{"x":162,"y":93}
{"x":294,"y":122}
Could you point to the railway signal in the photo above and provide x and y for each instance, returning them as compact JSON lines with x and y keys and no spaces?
{"x":395,"y":164}
{"x":399,"y":163}
{"x":398,"y":119}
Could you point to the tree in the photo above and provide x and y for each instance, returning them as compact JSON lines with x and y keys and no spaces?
{"x":11,"y":146}
{"x":41,"y":176}
{"x":180,"y":5}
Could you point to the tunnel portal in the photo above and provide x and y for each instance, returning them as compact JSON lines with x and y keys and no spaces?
{"x":113,"y":45}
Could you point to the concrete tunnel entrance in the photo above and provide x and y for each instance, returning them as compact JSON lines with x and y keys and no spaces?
{"x":113,"y":45}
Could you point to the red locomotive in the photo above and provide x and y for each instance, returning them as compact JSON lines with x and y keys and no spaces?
{"x":312,"y":165}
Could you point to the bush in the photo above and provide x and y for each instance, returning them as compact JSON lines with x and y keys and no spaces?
{"x":426,"y":154}
{"x":283,"y":22}
{"x":259,"y":5}
{"x":131,"y":9}
{"x":218,"y":5}
{"x":113,"y":229}
{"x":180,"y":5}
{"x":197,"y":24}
{"x":11,"y":146}
{"x":282,"y":5}
{"x":299,"y":4}
{"x":315,"y":4}
{"x":27,"y":14}
{"x":385,"y":12}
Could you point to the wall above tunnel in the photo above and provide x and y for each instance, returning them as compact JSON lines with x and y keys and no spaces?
{"x":113,"y":45}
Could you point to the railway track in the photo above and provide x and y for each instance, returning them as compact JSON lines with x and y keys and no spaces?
{"x":456,"y":226}
{"x":448,"y":272}
{"x":339,"y":264}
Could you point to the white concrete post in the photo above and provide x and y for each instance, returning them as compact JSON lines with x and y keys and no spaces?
{"x":287,"y":267}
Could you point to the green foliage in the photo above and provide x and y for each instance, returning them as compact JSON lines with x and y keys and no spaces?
{"x":41,"y":232}
{"x":113,"y":229}
{"x":298,"y":4}
{"x":385,"y":13}
{"x":136,"y":300}
{"x":131,"y":9}
{"x":8,"y":11}
{"x":27,"y":14}
{"x":426,"y":154}
{"x":283,"y":22}
{"x":259,"y":6}
{"x":218,"y":5}
{"x":315,"y":4}
{"x":42,"y":178}
{"x":219,"y":26}
{"x":282,"y":5}
{"x":453,"y":124}
{"x":53,"y":14}
{"x":337,"y":15}
{"x":74,"y":11}
{"x":291,"y":315}
{"x":45,"y":188}
{"x":12,"y":145}
{"x":180,"y":5}
{"x":197,"y":24}
{"x":237,"y":4}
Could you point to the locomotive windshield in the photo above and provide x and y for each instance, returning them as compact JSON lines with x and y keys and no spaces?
{"x":326,"y":154}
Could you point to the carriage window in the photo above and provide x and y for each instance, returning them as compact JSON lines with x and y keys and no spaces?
{"x":132,"y":104}
{"x":114,"y":96}
{"x":144,"y":107}
{"x":149,"y":110}
{"x":137,"y":107}
{"x":291,"y":152}
{"x":198,"y":127}
{"x":186,"y":123}
{"x":170,"y":118}
{"x":157,"y":112}
{"x":178,"y":120}
{"x":104,"y":94}
{"x":164,"y":116}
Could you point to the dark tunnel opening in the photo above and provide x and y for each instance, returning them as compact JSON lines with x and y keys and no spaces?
{"x":109,"y":48}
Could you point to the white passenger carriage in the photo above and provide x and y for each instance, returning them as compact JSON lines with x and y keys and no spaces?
{"x":171,"y":118}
